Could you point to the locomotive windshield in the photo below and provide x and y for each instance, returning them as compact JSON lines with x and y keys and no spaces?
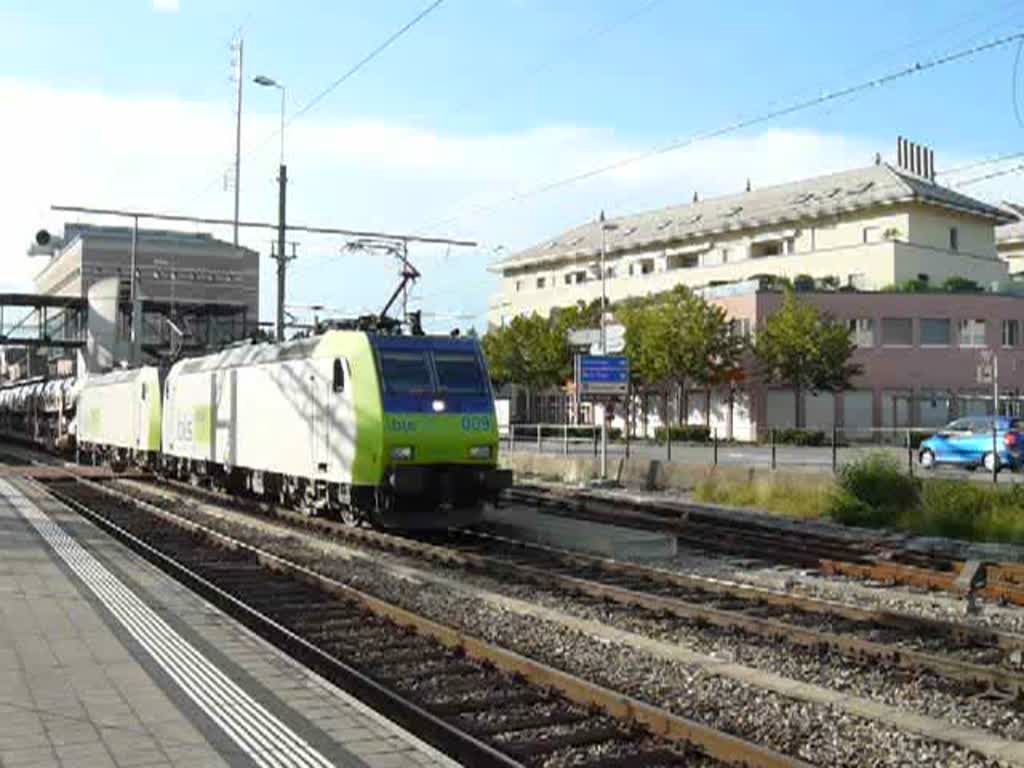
{"x":405,"y":372}
{"x":459,"y":372}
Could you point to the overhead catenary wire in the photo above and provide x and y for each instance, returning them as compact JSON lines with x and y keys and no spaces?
{"x":979,"y":164}
{"x":994,"y":175}
{"x":312,"y":103}
{"x":735,"y":126}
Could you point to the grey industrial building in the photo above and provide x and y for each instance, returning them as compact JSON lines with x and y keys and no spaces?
{"x":189,"y":283}
{"x":192,"y":292}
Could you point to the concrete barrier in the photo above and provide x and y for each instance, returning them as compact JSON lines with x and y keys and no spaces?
{"x":580,"y":535}
{"x":654,"y":474}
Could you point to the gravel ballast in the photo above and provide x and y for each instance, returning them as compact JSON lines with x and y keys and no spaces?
{"x":817,"y":733}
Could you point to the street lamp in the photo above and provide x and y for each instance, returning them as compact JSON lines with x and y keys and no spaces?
{"x":282,"y":182}
{"x":606,"y":226}
{"x":269,"y":82}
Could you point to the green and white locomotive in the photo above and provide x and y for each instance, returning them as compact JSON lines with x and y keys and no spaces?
{"x":396,"y":430}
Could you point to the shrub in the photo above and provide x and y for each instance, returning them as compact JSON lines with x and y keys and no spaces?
{"x":849,"y":510}
{"x":806,"y":437}
{"x":687,"y":433}
{"x":874,"y":492}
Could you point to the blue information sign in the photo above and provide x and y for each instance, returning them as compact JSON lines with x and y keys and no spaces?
{"x":602,"y":375}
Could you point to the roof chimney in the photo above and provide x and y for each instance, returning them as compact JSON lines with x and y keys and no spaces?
{"x":748,"y":183}
{"x":695,"y":198}
{"x":878,"y":158}
{"x":915,"y":158}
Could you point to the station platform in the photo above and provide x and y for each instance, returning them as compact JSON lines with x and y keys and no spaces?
{"x":105,"y":661}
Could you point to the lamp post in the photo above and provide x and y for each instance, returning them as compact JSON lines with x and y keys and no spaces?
{"x":282,"y":182}
{"x":606,"y":226}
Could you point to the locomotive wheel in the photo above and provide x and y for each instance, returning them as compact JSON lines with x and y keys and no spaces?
{"x":350,"y":516}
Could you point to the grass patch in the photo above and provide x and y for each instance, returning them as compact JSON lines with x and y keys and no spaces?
{"x":875,"y":493}
{"x":787,"y":498}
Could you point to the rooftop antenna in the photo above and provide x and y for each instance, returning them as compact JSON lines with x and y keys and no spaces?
{"x":237,"y":48}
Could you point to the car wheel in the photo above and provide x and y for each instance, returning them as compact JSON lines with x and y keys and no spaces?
{"x":989,"y":461}
{"x":927,"y":459}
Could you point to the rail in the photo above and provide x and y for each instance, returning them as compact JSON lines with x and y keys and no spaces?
{"x":551,"y":685}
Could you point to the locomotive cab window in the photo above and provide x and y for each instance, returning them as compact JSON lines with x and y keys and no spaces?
{"x":339,"y":377}
{"x":459,"y":372}
{"x":405,"y":372}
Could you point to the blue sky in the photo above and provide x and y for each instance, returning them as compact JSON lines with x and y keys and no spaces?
{"x":123,"y":103}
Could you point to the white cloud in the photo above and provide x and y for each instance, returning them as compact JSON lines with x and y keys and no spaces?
{"x":166,"y":6}
{"x":89,"y":148}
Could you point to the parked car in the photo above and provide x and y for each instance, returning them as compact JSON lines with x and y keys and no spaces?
{"x":968,"y":442}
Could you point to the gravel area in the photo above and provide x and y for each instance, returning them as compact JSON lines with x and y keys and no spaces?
{"x":819,"y":734}
{"x":901,"y":599}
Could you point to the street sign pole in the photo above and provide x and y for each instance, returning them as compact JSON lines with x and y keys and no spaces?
{"x":600,"y":378}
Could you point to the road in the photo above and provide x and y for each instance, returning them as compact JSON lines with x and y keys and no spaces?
{"x":747,"y":455}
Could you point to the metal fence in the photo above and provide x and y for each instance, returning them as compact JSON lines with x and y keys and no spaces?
{"x":834,"y":446}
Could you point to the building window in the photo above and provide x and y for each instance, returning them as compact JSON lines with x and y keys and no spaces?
{"x":872,"y":234}
{"x":646,"y":266}
{"x":1011,"y":333}
{"x":577,"y":277}
{"x":954,"y":239}
{"x":541,"y":282}
{"x":935,"y":331}
{"x":972,"y":333}
{"x":726,"y":254}
{"x":519,"y":285}
{"x":897,"y":332}
{"x":681,"y":261}
{"x":609,"y":272}
{"x":770,"y":248}
{"x":862,"y":331}
{"x":740,"y":327}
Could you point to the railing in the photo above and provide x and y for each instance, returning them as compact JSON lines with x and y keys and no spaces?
{"x":828,"y":449}
{"x":566,"y":436}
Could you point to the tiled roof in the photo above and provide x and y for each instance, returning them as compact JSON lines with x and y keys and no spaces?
{"x":770,"y":207}
{"x":1015,"y":230}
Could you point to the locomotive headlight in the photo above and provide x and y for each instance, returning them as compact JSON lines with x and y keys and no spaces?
{"x":438,"y":406}
{"x":480,"y":452}
{"x":402,"y":453}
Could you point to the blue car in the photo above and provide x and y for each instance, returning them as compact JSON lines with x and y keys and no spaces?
{"x":967,"y":442}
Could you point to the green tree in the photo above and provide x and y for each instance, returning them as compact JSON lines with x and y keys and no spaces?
{"x":805,"y":350}
{"x":504,"y":363}
{"x":677,"y":338}
{"x":529,"y":351}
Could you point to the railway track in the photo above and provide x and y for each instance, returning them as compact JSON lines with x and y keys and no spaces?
{"x":878,"y":558}
{"x":984,"y":661}
{"x":483,"y":705}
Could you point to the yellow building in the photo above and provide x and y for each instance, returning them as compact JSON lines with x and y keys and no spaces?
{"x":1010,"y":242}
{"x":866,"y":228}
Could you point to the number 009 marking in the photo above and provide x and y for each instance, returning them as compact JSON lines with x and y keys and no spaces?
{"x":476,"y":423}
